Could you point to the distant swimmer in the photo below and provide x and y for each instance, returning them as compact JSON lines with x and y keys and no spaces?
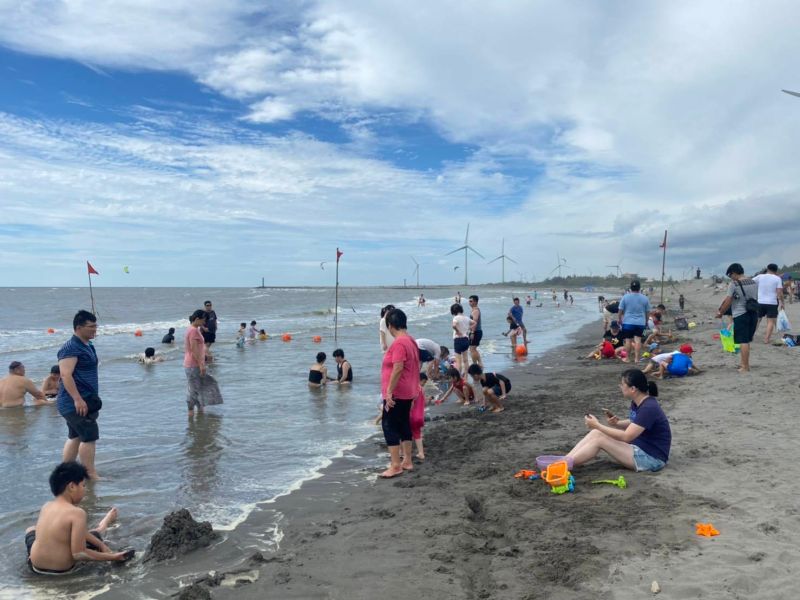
{"x":318,"y":373}
{"x":253,"y":331}
{"x":50,"y":383}
{"x":61,"y":538}
{"x":528,"y":300}
{"x":344,"y":371}
{"x":148,"y":357}
{"x":457,"y":298}
{"x":262,"y":335}
{"x":15,"y":385}
{"x":169,"y":337}
{"x":421,"y":301}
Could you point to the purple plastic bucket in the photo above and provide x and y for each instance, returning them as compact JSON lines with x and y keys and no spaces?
{"x":544,"y":461}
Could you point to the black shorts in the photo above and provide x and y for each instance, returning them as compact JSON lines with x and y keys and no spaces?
{"x":744,"y":328}
{"x":460,"y":344}
{"x":425,"y":356}
{"x":628,"y":332}
{"x":767,"y":310}
{"x":209,"y":337}
{"x":30,"y":537}
{"x":475,"y":338}
{"x":396,"y":422}
{"x":84,"y":428}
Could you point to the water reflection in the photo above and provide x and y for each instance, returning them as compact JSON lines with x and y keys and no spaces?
{"x":202,"y":450}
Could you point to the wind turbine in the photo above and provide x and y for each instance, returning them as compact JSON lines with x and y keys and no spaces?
{"x":562,"y":264}
{"x":466,"y":248}
{"x":416,"y":270}
{"x":617,"y":267}
{"x":504,"y":258}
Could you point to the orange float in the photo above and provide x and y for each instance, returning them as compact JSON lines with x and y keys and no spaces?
{"x":51,"y":330}
{"x":316,"y":339}
{"x":138,"y":333}
{"x":521,"y":350}
{"x":286,"y":337}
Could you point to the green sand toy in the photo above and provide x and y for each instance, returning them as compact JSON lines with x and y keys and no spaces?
{"x":619,"y":482}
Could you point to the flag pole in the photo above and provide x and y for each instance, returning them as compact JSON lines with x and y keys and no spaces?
{"x":91,"y":293}
{"x":663,"y":265}
{"x":336,"y":308}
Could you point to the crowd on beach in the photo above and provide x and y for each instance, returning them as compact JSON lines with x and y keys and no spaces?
{"x":632,"y":331}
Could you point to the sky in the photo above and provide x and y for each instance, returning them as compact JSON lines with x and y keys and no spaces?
{"x":211,"y":143}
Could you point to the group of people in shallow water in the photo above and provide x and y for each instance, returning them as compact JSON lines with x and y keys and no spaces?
{"x":318,"y":373}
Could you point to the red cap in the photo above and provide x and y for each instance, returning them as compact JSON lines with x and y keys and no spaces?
{"x":686,"y":349}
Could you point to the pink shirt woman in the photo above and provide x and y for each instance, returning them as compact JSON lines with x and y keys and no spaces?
{"x":399,"y":386}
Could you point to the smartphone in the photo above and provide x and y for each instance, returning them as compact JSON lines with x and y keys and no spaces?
{"x":608,"y":413}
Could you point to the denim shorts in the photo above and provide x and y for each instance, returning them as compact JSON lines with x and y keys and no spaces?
{"x":644,"y":462}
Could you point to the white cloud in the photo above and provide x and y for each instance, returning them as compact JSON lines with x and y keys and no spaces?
{"x":635,"y":117}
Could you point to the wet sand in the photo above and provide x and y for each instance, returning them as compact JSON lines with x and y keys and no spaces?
{"x":460,"y":525}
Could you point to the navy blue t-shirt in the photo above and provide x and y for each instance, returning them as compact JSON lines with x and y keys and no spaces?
{"x":85,"y":373}
{"x":656,"y":438}
{"x":516,"y":313}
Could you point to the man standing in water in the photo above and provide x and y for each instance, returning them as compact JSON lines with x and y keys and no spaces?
{"x":78,"y":393}
{"x":515,"y":312}
{"x":14,"y":387}
{"x":210,"y":328}
{"x":476,"y":330}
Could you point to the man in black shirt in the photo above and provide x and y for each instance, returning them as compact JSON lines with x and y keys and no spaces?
{"x":209,"y":331}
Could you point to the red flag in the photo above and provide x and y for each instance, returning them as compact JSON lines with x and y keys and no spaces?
{"x":664,"y":243}
{"x":92,"y":270}
{"x":338,"y":254}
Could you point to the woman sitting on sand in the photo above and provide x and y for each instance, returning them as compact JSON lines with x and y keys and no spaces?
{"x":318,"y":373}
{"x":641,"y":442}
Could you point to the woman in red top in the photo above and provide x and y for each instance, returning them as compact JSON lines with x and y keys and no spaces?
{"x":399,"y":386}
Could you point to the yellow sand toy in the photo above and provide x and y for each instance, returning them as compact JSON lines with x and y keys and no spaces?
{"x":619,"y":482}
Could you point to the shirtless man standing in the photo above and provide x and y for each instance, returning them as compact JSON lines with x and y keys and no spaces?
{"x":14,"y":387}
{"x":60,"y":537}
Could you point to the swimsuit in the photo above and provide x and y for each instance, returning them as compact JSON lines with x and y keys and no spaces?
{"x":314,"y":376}
{"x":339,"y":371}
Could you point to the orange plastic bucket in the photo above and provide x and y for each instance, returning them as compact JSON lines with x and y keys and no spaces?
{"x":557,"y":473}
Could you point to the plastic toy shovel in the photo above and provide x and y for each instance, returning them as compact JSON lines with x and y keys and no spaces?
{"x":619,"y":482}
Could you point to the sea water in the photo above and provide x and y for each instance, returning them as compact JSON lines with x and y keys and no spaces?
{"x":272,"y":432}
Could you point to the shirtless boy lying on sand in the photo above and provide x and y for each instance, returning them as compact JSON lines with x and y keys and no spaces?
{"x":60,"y":537}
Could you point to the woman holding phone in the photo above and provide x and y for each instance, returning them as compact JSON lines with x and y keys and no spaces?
{"x":640,"y":442}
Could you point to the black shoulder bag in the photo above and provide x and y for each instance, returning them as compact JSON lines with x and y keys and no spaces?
{"x":750,"y":304}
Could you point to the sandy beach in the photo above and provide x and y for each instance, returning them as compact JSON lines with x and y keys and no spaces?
{"x":461,"y":526}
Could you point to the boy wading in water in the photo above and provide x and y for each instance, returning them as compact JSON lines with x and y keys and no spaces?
{"x":61,"y":537}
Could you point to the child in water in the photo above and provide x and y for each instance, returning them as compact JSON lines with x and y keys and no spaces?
{"x":241,"y":335}
{"x":149,"y":357}
{"x":262,"y":335}
{"x":514,"y":330}
{"x":50,"y":384}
